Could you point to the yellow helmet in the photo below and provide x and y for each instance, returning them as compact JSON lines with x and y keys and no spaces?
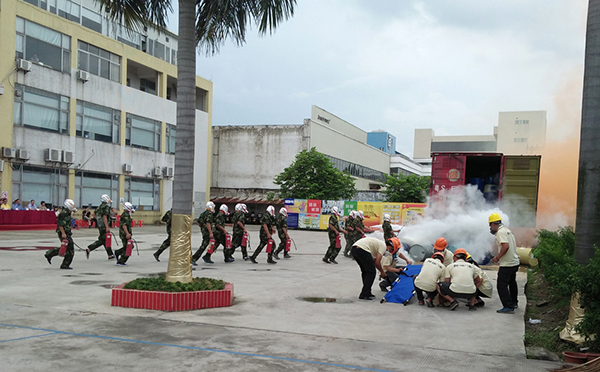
{"x":494,"y":217}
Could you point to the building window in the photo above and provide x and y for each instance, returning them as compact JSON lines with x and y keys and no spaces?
{"x":520,"y":140}
{"x":69,"y":10}
{"x":143,"y":193}
{"x":43,"y":45}
{"x":97,"y":122}
{"x":89,"y":187}
{"x":148,"y":86}
{"x":171,"y":136}
{"x":40,"y":184}
{"x":98,"y":61}
{"x":357,"y":170}
{"x":143,"y":133}
{"x":39,"y":109}
{"x":524,"y":121}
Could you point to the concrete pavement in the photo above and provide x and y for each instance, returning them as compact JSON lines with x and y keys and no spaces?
{"x":52,"y":319}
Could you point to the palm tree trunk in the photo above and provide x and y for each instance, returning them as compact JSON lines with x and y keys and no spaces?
{"x":587,"y":231}
{"x":183,"y":182}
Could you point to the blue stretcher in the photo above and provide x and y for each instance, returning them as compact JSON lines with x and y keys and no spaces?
{"x":403,"y":288}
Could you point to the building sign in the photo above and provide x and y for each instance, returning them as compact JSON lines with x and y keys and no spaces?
{"x":323,"y":119}
{"x":453,"y":175}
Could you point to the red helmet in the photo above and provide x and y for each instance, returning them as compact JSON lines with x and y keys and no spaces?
{"x":439,"y":255}
{"x":440,"y":244}
{"x":460,"y":251}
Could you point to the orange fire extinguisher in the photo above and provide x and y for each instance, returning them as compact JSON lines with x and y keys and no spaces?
{"x":211,"y":246}
{"x":63,"y":247}
{"x":269,"y":245}
{"x":227,"y":241}
{"x":129,"y":248}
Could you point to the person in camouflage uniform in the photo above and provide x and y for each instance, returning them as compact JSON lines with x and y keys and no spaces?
{"x":205,"y":221}
{"x":388,"y":232}
{"x":102,"y":221}
{"x":63,"y":229}
{"x":239,"y":229}
{"x":333,"y":230}
{"x":281,"y":224}
{"x":125,"y":233}
{"x":220,"y":233}
{"x":167,"y":243}
{"x":359,"y":226}
{"x":349,"y":225}
{"x":266,"y":229}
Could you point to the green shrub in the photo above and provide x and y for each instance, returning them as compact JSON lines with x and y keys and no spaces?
{"x":555,"y":253}
{"x":160,"y":284}
{"x":587,"y":283}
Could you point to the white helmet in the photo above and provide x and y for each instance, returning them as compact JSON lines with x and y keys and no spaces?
{"x":244,"y":208}
{"x":224,"y":208}
{"x":238,"y":207}
{"x":335,"y":211}
{"x":361,"y":215}
{"x":271,"y":210}
{"x":105,"y":198}
{"x":353,"y":214}
{"x":386,"y":217}
{"x":283,"y":211}
{"x":210,"y":205}
{"x":70,"y":205}
{"x":128,"y":207}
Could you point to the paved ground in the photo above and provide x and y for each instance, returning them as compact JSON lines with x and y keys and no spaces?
{"x":53,"y":319}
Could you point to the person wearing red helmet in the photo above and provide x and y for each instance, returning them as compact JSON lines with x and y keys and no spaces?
{"x":388,"y":263}
{"x":461,"y":281}
{"x":432,"y":272}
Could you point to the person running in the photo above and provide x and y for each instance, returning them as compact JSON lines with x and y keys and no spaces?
{"x":102,"y":221}
{"x":266,"y":229}
{"x":125,"y":233}
{"x":333,"y":231}
{"x":205,"y":221}
{"x":220,"y":234}
{"x":167,"y":242}
{"x":239,"y":229}
{"x":282,"y":233}
{"x":63,"y":229}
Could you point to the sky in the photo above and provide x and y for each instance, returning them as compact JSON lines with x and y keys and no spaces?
{"x":401,"y":65}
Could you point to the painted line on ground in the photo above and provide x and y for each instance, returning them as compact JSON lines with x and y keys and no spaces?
{"x":192,"y":348}
{"x":25,"y":338}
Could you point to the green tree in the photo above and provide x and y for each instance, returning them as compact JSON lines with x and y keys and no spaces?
{"x":313,"y":176}
{"x":406,"y":189}
{"x":206,"y":24}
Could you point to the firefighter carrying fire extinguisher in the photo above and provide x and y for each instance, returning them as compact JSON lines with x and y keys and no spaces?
{"x":266,"y":239}
{"x":63,"y":229}
{"x":102,"y":221}
{"x":281,"y":224}
{"x":221,"y":236}
{"x":240,"y":234}
{"x":335,"y":239}
{"x":125,"y":232}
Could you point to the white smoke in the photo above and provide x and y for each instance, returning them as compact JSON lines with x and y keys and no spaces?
{"x":461,"y":216}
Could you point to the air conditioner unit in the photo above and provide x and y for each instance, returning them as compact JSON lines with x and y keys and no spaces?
{"x":24,"y":65}
{"x":22,"y":154}
{"x":83,"y":75}
{"x":8,"y":152}
{"x":52,"y":155}
{"x":157,"y":172}
{"x":168,"y":172}
{"x":67,"y":157}
{"x":127,"y":168}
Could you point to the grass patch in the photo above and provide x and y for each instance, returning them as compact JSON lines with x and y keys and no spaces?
{"x":160,"y":284}
{"x":552,"y":308}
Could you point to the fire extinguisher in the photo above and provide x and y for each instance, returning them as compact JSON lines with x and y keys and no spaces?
{"x":108,"y":240}
{"x":288,"y":244}
{"x":227,"y":241}
{"x":129,"y":248}
{"x":63,"y":247}
{"x":244,"y":239}
{"x":269,"y":245}
{"x":338,"y":241}
{"x":211,"y":246}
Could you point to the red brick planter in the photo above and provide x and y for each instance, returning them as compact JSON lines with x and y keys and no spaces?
{"x":171,"y":301}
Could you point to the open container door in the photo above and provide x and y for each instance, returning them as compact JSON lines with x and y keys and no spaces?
{"x":519,"y":190}
{"x":448,"y":171}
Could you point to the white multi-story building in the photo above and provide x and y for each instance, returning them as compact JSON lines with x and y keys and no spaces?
{"x":88,"y":108}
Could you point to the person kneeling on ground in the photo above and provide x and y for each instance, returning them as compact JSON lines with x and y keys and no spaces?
{"x":432,"y":272}
{"x":388,"y":263}
{"x":461,"y":281}
{"x":485,"y":288}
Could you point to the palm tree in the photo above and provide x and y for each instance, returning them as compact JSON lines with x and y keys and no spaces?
{"x":587,"y":228}
{"x":206,"y":24}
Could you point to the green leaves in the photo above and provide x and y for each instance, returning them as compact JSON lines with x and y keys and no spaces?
{"x":313,"y":176}
{"x":160,"y":284}
{"x":406,"y":189}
